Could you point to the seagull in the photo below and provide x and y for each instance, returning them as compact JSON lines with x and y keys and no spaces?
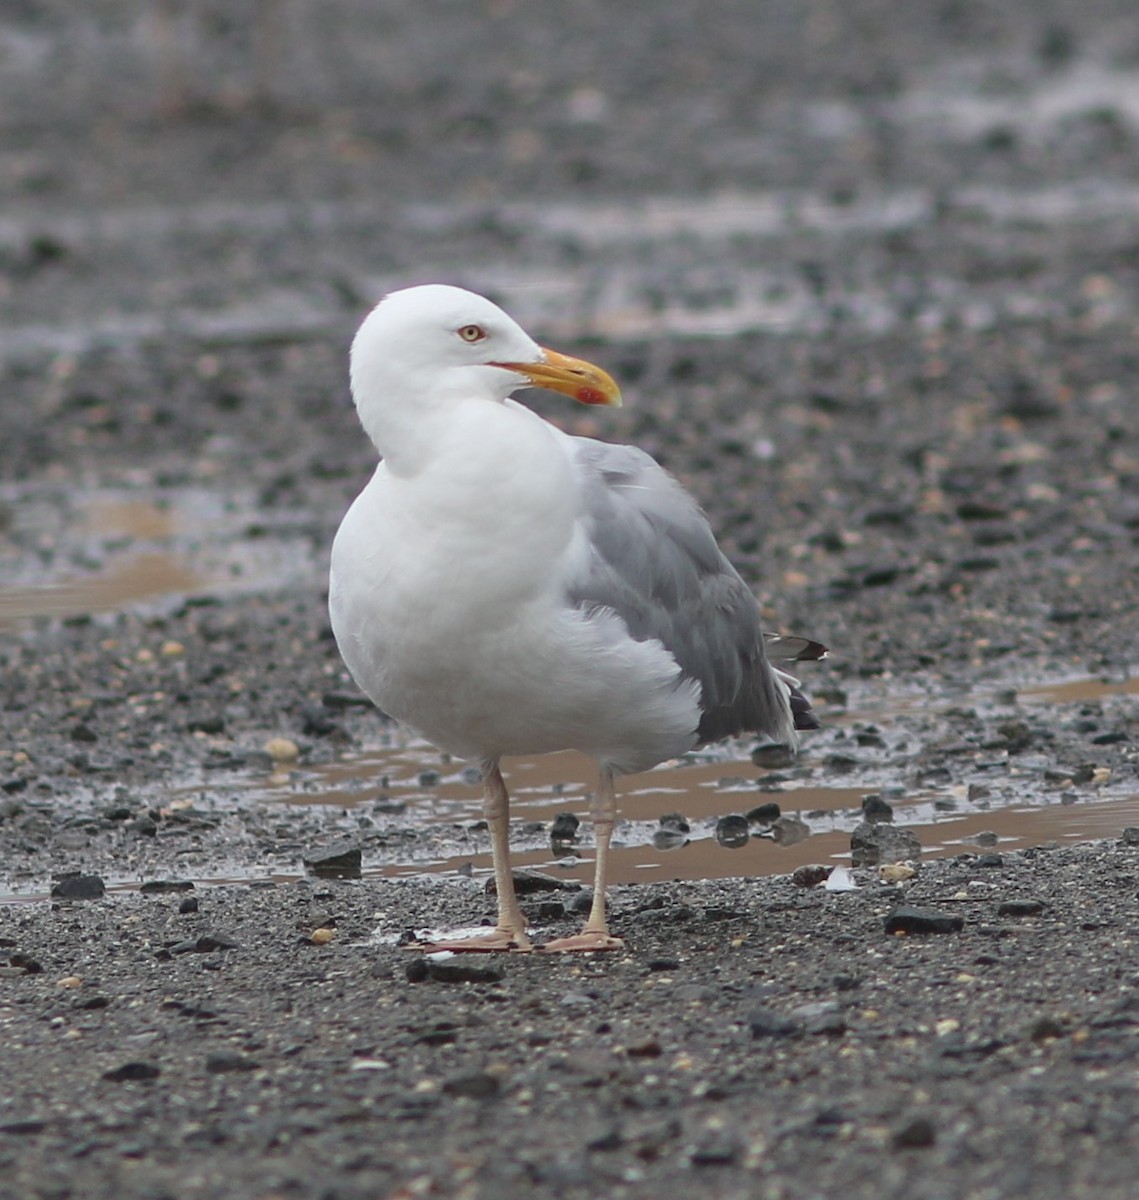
{"x":504,"y":588}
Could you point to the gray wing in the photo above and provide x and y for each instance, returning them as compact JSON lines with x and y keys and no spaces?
{"x":654,"y":561}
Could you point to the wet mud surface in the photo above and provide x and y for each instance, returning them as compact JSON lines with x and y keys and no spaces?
{"x":867,"y":276}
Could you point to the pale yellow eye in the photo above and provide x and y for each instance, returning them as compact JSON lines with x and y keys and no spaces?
{"x":472,"y":333}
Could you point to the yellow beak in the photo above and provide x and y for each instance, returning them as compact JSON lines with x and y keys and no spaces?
{"x":574,"y":377}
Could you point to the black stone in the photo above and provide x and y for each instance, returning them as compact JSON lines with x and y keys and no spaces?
{"x":477,"y":1085}
{"x":342,"y":861}
{"x":874,"y":843}
{"x":923,"y":920}
{"x":79,"y":887}
{"x":157,"y":887}
{"x":133,"y":1072}
{"x":764,"y":814}
{"x":564,"y":828}
{"x":1020,"y":908}
{"x":765,"y":1022}
{"x":732,"y":831}
{"x":189,"y":904}
{"x":530,"y":883}
{"x":915,"y":1134}
{"x":875,"y":809}
{"x":226,"y":1062}
{"x":449,"y":971}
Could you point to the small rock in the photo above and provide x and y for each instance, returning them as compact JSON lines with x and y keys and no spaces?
{"x":83,"y":733}
{"x":669,"y":839}
{"x":158,"y":887}
{"x":448,"y":971}
{"x":915,"y":1134}
{"x":648,"y":1048}
{"x":765,"y":1022}
{"x":209,"y":725}
{"x":189,"y":904}
{"x":322,"y":936}
{"x":1131,"y":835}
{"x":923,"y":920}
{"x":282,"y":750}
{"x":564,"y":828}
{"x":790,"y":831}
{"x":530,"y":883}
{"x":79,"y":887}
{"x":229,"y":1062}
{"x":339,"y":701}
{"x":675,"y":823}
{"x":764,"y":814}
{"x":732,"y":832}
{"x":1045,"y":1029}
{"x":809,"y":876}
{"x":133,"y":1072}
{"x":69,"y":981}
{"x":478,"y":1085}
{"x":662,"y":964}
{"x":773,"y":756}
{"x":719,"y":1149}
{"x":991,"y":860}
{"x":896,"y":872}
{"x":342,"y":861}
{"x":875,"y":810}
{"x":875,"y":843}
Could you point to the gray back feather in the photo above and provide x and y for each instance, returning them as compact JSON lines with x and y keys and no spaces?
{"x":654,"y":561}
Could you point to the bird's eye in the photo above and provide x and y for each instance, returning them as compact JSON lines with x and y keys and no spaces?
{"x":472,"y":333}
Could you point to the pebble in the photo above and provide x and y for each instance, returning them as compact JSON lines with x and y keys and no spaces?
{"x":790,"y":831}
{"x":675,"y":823}
{"x":477,"y":1085}
{"x":764,"y":814}
{"x":896,"y":872}
{"x":765,"y":1022}
{"x":322,"y":936}
{"x":281,"y":749}
{"x":530,"y":883}
{"x":189,"y":904}
{"x":1045,"y":1029}
{"x":915,"y":1134}
{"x":1131,"y":835}
{"x":79,"y":887}
{"x":229,"y":1062}
{"x":69,"y":981}
{"x":875,"y":843}
{"x":809,"y":875}
{"x":923,"y":920}
{"x":564,"y":828}
{"x":716,"y":1150}
{"x":341,"y":861}
{"x":419,"y":970}
{"x":1020,"y":907}
{"x":876,"y":810}
{"x":133,"y":1072}
{"x":773,"y":755}
{"x":732,"y":832}
{"x":157,"y":887}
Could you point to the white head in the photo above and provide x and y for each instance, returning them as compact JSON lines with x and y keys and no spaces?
{"x":426,"y":347}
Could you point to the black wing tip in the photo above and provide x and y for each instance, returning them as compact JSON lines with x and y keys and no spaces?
{"x":791,"y":648}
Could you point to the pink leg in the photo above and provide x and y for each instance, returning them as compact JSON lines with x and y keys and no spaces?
{"x":595,"y":933}
{"x":510,"y":932}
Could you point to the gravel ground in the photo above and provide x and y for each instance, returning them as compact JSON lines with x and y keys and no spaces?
{"x":869,"y":278}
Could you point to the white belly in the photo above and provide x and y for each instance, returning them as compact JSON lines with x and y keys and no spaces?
{"x":465,"y":638}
